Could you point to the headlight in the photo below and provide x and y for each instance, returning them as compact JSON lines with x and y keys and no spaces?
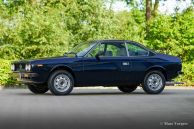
{"x":12,"y":67}
{"x":28,"y":67}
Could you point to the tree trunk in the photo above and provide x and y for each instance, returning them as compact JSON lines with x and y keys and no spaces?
{"x":155,"y":10}
{"x":111,"y":3}
{"x":148,"y":9}
{"x":32,"y":2}
{"x":148,"y":15}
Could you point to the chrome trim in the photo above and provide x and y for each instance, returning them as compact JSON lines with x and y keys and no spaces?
{"x":126,"y":49}
{"x":172,"y":83}
{"x":91,"y":49}
{"x":21,"y":76}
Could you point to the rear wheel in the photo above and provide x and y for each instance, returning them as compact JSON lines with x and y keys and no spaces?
{"x":61,"y":82}
{"x":154,"y":82}
{"x":127,"y":89}
{"x":37,"y":88}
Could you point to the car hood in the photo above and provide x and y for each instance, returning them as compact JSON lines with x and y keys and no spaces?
{"x":59,"y":59}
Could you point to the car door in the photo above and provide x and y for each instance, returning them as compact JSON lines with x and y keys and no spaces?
{"x":139,"y":58}
{"x":111,"y":67}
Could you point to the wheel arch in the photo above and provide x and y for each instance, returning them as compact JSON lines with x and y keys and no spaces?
{"x":62,"y":67}
{"x":158,"y":68}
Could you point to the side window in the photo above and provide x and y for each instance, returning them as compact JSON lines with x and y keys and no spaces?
{"x":109,"y":50}
{"x":115,"y":49}
{"x":97,"y":49}
{"x":136,"y":50}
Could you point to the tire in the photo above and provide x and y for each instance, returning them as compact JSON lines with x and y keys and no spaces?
{"x":154,"y":82}
{"x":61,"y":82}
{"x":127,"y":89}
{"x":38,"y":89}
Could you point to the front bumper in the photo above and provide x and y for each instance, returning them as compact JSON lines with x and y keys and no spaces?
{"x":26,"y":77}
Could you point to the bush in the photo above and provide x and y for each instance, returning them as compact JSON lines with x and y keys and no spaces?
{"x":5,"y":78}
{"x":188,"y":77}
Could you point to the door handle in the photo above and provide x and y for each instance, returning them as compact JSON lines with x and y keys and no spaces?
{"x":125,"y":63}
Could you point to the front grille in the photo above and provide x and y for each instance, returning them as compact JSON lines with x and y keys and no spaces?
{"x":20,"y":66}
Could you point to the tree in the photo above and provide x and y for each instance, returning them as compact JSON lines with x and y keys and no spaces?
{"x":151,"y":9}
{"x":151,"y":6}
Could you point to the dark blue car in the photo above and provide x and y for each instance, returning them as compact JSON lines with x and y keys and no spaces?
{"x":122,"y":63}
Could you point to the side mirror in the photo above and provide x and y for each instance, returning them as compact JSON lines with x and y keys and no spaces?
{"x":100,"y":53}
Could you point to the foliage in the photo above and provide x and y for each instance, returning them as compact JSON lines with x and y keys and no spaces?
{"x":174,"y":35}
{"x":5,"y":71}
{"x":188,"y":77}
{"x":32,"y":29}
{"x":36,"y":32}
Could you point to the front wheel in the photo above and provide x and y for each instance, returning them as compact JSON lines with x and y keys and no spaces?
{"x":38,"y":89}
{"x":127,"y":89}
{"x":154,"y":82}
{"x":61,"y":82}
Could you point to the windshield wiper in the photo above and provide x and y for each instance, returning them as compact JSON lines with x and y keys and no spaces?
{"x":66,"y":53}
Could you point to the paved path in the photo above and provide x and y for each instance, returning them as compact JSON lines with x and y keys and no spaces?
{"x":97,"y":109}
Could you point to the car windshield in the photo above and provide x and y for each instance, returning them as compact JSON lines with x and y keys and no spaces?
{"x":81,"y":49}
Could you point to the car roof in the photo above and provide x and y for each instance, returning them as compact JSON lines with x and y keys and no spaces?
{"x":112,"y":40}
{"x":117,"y":40}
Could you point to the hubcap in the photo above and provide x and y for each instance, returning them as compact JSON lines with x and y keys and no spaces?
{"x":154,"y":82}
{"x":62,"y":83}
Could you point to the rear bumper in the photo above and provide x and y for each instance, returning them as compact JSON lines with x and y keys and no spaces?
{"x":27,"y":77}
{"x":180,"y":72}
{"x":172,"y":83}
{"x":173,"y":74}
